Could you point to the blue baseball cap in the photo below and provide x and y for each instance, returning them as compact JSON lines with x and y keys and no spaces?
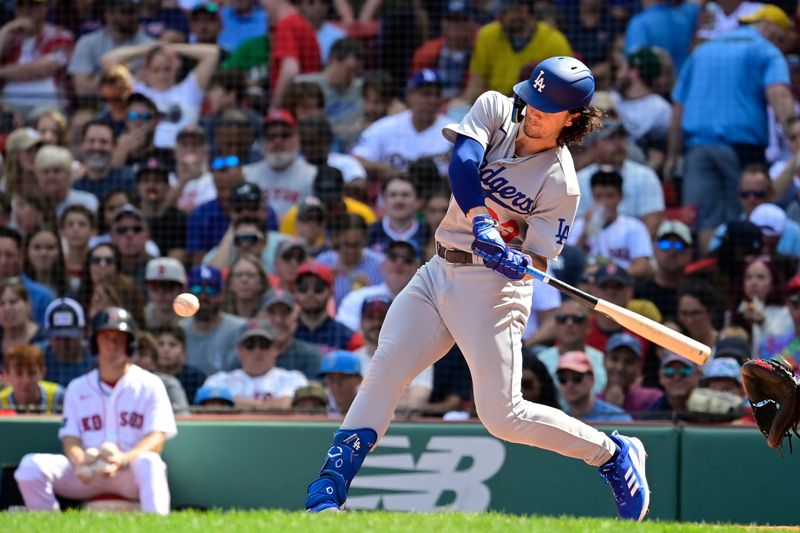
{"x":205,"y":275}
{"x":411,"y":245}
{"x":423,"y":78}
{"x":340,"y":362}
{"x":723,"y":367}
{"x":557,"y":84}
{"x":624,"y":340}
{"x":204,"y":394}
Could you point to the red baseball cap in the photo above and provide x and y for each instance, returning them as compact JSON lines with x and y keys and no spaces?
{"x":575,"y":361}
{"x":317,"y":269}
{"x":280,"y":115}
{"x":794,"y":284}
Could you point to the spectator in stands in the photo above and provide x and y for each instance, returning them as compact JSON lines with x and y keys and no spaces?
{"x":311,"y":225}
{"x":205,"y":25}
{"x":316,"y":139}
{"x":791,"y":351}
{"x":21,"y":148}
{"x":171,"y":358}
{"x":241,"y":20}
{"x":227,"y":91}
{"x":210,"y":334}
{"x":623,"y":365}
{"x":672,"y":249}
{"x":278,"y":308}
{"x":450,"y":53}
{"x":434,"y":209}
{"x":377,"y":91}
{"x":33,"y":56}
{"x":571,"y":333}
{"x":167,"y":223}
{"x":328,"y":34}
{"x":11,"y":266}
{"x":16,"y":324}
{"x":77,"y":227}
{"x":644,"y":113}
{"x":44,"y":259}
{"x":115,"y":86}
{"x":304,"y":99}
{"x":24,"y":370}
{"x":591,"y":29}
{"x":506,"y":48}
{"x":130,"y":233}
{"x":720,"y":145}
{"x":259,"y":383}
{"x":137,"y":142}
{"x":342,"y":373}
{"x":283,"y":176}
{"x":53,"y":166}
{"x":399,"y":223}
{"x":247,"y":236}
{"x":102,"y":260}
{"x":29,"y":210}
{"x":760,"y":307}
{"x":166,"y":279}
{"x":121,"y":29}
{"x":312,"y":397}
{"x":723,"y":17}
{"x":373,"y":313}
{"x":329,"y":188}
{"x":355,"y":265}
{"x":193,"y":182}
{"x":109,"y":204}
{"x":51,"y":124}
{"x":179,"y":102}
{"x":313,"y":291}
{"x":537,"y":385}
{"x":214,"y":398}
{"x":642,"y":195}
{"x":116,"y":290}
{"x":698,"y":304}
{"x":294,"y":48}
{"x":146,"y":357}
{"x":392,"y":143}
{"x":679,"y":377}
{"x":785,"y":171}
{"x":576,"y":380}
{"x":402,"y":259}
{"x":723,"y":374}
{"x":607,"y":236}
{"x":780,"y":236}
{"x":165,"y":22}
{"x":291,"y":255}
{"x":341,"y":89}
{"x":245,"y":286}
{"x":663,"y":24}
{"x":65,"y":353}
{"x":100,"y":174}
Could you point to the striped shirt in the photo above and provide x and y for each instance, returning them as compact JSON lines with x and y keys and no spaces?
{"x":367,"y":272}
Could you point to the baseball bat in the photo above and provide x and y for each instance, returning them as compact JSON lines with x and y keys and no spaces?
{"x":651,"y":330}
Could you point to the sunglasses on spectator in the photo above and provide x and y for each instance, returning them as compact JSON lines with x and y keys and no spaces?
{"x":209,"y":291}
{"x":133,"y":115}
{"x":122,"y":230}
{"x":278,"y":135}
{"x":246,"y":206}
{"x":754,"y":194}
{"x":665,"y":245}
{"x":794,"y":300}
{"x":297,"y":256}
{"x":313,"y":283}
{"x":223,"y":162}
{"x":257,"y":342}
{"x":405,"y":258}
{"x":161,"y":286}
{"x":247,"y":238}
{"x":671,"y":372}
{"x":576,"y":319}
{"x":566,"y":378}
{"x":97,"y":260}
{"x":112,"y":99}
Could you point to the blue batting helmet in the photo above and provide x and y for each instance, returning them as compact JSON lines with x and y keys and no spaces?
{"x":557,"y":84}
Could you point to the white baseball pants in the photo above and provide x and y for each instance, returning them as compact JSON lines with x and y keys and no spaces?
{"x":42,"y":476}
{"x":485,"y":314}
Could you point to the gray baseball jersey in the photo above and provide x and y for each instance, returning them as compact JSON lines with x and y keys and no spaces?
{"x":533,"y":198}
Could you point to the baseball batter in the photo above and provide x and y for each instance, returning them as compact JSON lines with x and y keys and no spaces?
{"x":118,"y":403}
{"x":515,"y":195}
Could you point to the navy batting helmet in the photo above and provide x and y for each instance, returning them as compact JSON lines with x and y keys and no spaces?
{"x":556,"y":84}
{"x":114,"y":319}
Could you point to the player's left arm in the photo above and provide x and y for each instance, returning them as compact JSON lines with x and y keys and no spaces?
{"x":152,"y":442}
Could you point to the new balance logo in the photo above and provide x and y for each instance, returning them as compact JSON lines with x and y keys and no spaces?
{"x":633,"y":484}
{"x":538,"y":83}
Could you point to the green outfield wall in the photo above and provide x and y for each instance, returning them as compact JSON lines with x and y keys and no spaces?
{"x":695,"y":473}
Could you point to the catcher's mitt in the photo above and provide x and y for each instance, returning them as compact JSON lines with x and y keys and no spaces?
{"x":771,"y":388}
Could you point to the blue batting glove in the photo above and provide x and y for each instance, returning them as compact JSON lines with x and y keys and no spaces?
{"x":488,"y":243}
{"x":513,"y":264}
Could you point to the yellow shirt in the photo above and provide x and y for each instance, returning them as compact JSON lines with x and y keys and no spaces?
{"x":354,"y":207}
{"x":52,"y":396}
{"x":495,"y":60}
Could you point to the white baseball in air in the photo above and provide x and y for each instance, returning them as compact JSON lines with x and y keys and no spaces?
{"x":108,"y":449}
{"x":185,"y":304}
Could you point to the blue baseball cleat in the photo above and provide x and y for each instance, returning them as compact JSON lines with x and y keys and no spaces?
{"x":626,"y":476}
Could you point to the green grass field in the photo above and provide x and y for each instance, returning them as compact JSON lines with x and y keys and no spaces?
{"x":351,"y":522}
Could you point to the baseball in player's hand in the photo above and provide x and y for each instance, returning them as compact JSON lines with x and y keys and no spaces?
{"x":85,"y":472}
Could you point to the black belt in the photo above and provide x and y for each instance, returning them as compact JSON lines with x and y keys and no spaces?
{"x":450,"y":255}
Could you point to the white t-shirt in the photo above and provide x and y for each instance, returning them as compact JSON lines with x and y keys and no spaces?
{"x":37,"y":92}
{"x":181,"y":103}
{"x":196,"y":192}
{"x":641,"y":191}
{"x":277,"y":383}
{"x":650,"y":114}
{"x":350,"y":167}
{"x":622,"y":241}
{"x":349,"y":311}
{"x":282,"y":189}
{"x":124,"y":414}
{"x":395,"y":141}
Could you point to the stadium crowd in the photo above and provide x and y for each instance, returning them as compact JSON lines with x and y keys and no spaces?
{"x":284,"y":163}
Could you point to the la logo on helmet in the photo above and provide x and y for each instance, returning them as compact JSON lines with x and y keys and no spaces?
{"x":538,"y":83}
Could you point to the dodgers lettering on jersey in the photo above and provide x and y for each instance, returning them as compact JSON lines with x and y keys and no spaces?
{"x":136,"y":406}
{"x":533,"y":198}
